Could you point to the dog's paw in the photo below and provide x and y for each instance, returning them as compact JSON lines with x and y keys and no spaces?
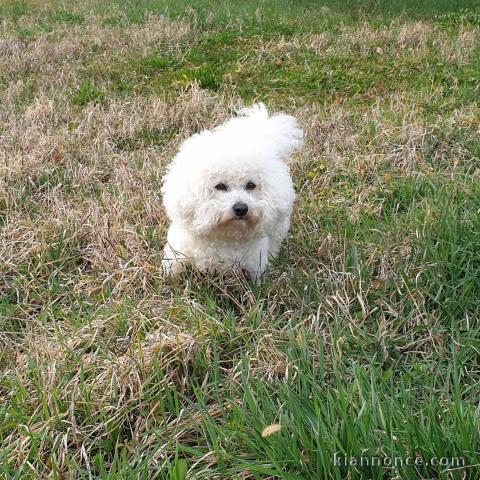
{"x":173,"y":267}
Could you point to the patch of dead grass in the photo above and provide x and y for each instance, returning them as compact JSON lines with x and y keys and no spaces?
{"x":415,"y":39}
{"x":68,"y":46}
{"x":105,"y":389}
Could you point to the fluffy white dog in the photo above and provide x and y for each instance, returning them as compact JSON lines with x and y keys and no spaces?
{"x":229,"y":194}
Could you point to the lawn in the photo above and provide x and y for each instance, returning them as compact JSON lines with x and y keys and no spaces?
{"x":363,"y":340}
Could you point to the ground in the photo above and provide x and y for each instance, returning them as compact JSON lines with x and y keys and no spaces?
{"x":363,"y":339}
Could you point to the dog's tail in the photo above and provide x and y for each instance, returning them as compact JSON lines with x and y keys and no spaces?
{"x":282,"y":130}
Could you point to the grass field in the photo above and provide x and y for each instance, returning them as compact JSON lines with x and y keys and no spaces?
{"x":363,"y":339}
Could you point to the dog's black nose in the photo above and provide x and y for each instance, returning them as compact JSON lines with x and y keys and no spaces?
{"x":240,"y":209}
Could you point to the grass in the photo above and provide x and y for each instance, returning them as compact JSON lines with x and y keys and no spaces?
{"x":362,"y":341}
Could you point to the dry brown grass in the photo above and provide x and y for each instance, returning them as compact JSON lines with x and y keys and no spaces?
{"x":399,"y":39}
{"x":51,"y":53}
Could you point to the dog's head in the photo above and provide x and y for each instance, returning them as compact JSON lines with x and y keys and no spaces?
{"x":233,"y":181}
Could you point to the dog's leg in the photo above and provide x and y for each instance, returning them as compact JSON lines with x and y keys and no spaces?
{"x":173,"y":263}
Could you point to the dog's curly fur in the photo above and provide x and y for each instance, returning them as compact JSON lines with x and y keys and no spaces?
{"x":241,"y":162}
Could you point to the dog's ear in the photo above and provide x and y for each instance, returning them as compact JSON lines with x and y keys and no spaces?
{"x":177,"y":200}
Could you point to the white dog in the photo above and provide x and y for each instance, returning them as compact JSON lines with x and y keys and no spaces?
{"x":229,"y":194}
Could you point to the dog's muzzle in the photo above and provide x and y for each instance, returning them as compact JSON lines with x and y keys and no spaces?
{"x":240,"y":209}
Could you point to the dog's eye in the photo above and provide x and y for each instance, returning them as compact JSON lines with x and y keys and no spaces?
{"x":250,"y":186}
{"x":221,"y":186}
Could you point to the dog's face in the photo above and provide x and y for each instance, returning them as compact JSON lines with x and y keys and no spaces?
{"x":232,"y":182}
{"x":235,"y":203}
{"x":230,"y":197}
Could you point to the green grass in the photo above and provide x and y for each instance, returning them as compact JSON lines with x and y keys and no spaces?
{"x":362,"y":340}
{"x":87,"y":93}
